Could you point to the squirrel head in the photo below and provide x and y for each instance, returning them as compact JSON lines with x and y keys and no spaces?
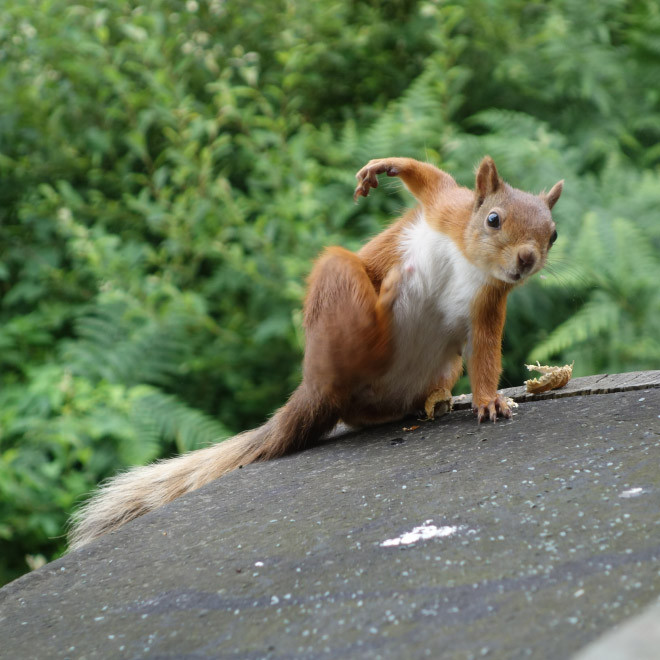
{"x":510,"y":231}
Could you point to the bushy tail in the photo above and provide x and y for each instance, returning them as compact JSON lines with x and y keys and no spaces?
{"x":301,"y":421}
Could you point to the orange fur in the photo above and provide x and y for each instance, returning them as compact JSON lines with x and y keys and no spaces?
{"x":347,"y":325}
{"x":384,"y":328}
{"x":520,"y":246}
{"x":485,"y":359}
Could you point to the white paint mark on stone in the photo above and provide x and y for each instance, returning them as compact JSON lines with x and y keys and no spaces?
{"x":421,"y":533}
{"x":632,"y":492}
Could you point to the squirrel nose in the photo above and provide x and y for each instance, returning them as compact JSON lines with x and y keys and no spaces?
{"x":526,"y":259}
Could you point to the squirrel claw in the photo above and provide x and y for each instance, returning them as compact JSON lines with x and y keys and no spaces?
{"x":494,"y":407}
{"x":368,"y":176}
{"x":362,"y":189}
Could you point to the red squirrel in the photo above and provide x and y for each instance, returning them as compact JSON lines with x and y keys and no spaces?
{"x":386,"y":328}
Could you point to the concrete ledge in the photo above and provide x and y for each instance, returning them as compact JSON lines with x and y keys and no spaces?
{"x":636,"y":639}
{"x":601,"y":384}
{"x":531,"y":537}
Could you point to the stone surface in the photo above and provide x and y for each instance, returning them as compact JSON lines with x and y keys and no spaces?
{"x":637,"y":639}
{"x":600,"y":384}
{"x":547,"y":534}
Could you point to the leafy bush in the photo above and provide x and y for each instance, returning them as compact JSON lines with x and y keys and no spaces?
{"x":168,"y":170}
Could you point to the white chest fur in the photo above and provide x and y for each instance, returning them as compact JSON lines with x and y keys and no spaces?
{"x":432,"y":311}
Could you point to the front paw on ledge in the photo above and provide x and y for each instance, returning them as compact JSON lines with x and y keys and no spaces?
{"x":492,"y":409}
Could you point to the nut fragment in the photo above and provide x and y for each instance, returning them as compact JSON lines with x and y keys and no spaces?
{"x":553,"y":377}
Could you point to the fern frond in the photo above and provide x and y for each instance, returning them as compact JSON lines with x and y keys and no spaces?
{"x":128,"y":348}
{"x":166,"y":416}
{"x":409,"y":125}
{"x":593,"y":318}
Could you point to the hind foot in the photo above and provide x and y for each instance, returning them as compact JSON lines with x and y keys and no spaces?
{"x":438,"y":403}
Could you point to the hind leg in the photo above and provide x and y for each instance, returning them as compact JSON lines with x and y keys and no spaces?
{"x":348,"y":325}
{"x":439,"y":401}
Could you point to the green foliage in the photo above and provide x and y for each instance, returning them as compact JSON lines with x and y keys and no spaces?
{"x":169,"y":169}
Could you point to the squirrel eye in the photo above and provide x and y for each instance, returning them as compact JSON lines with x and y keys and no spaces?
{"x":553,"y":238}
{"x":493,"y":220}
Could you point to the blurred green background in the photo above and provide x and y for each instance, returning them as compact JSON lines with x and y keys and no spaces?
{"x":168,"y":170}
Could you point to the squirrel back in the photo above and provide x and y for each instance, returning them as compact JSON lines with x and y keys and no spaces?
{"x":386,"y":329}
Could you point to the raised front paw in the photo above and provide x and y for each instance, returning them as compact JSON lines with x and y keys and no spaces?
{"x":493,"y":408}
{"x":368,"y":176}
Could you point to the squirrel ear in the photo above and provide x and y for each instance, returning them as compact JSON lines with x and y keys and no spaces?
{"x":487,"y":180}
{"x":552,"y":197}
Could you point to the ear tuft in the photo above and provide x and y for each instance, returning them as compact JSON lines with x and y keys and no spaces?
{"x":487,"y":180}
{"x":554,"y":194}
